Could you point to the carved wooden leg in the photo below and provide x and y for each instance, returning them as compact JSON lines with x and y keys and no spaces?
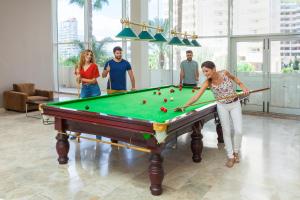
{"x":219,"y":129}
{"x":114,"y":141}
{"x":196,"y":143}
{"x":62,"y":148}
{"x":156,"y":173}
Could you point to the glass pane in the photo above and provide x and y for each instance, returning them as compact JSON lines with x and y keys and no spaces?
{"x":214,"y":49}
{"x":202,"y":17}
{"x":285,"y":74}
{"x":211,"y":17}
{"x":70,"y":18}
{"x":250,"y":68}
{"x":159,"y":53}
{"x":106,"y":16}
{"x":265,"y":16}
{"x":68,"y":56}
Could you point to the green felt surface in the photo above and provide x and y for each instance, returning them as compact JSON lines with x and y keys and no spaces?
{"x":130,"y":104}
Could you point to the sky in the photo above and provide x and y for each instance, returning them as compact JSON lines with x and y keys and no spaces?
{"x":106,"y":22}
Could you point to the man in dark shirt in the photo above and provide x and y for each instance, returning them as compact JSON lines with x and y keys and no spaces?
{"x":117,"y":68}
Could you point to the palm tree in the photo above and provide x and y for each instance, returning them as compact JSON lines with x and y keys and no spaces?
{"x":92,"y":4}
{"x":98,"y":49}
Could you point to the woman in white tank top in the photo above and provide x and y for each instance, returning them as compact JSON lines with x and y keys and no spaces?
{"x":221,"y":84}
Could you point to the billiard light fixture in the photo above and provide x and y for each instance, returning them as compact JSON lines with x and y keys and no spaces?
{"x":144,"y":35}
{"x":175,"y":39}
{"x":194,"y":41}
{"x":158,"y":37}
{"x":127,"y":32}
{"x":186,"y":40}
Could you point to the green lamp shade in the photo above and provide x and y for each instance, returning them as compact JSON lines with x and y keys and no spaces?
{"x":145,"y":35}
{"x":127,"y":33}
{"x":158,"y":37}
{"x":195,"y":43}
{"x":186,"y":42}
{"x":175,"y":41}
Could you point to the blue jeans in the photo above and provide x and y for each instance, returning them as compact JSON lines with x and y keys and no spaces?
{"x":90,"y":90}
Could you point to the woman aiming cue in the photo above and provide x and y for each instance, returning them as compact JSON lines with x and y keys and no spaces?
{"x":221,"y":84}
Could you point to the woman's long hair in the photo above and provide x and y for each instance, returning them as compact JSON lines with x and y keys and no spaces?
{"x":82,"y":58}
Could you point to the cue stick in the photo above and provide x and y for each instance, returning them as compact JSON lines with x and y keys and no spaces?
{"x":109,"y":79}
{"x":223,"y":98}
{"x":115,"y":144}
{"x":77,"y":83}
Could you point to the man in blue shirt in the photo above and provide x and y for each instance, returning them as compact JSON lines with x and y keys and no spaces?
{"x":116,"y":68}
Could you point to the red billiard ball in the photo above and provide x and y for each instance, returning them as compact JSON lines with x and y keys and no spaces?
{"x":165,"y":110}
{"x":159,"y":93}
{"x":144,"y":101}
{"x":165,"y":99}
{"x":193,"y":90}
{"x":162,"y":108}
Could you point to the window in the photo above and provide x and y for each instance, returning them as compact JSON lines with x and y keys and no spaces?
{"x":71,"y":39}
{"x":265,"y":16}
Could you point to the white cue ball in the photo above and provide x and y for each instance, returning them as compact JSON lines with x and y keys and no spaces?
{"x":171,"y":99}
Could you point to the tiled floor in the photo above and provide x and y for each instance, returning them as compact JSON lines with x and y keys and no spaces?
{"x":270,"y":167}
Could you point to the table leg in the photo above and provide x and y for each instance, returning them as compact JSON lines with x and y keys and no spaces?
{"x":156,"y":173}
{"x":196,"y":143}
{"x":219,"y":129}
{"x":62,"y":148}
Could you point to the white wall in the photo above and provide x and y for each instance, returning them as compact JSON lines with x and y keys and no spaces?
{"x":25,"y":44}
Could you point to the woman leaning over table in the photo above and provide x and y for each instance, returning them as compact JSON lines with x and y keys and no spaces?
{"x":221,"y":84}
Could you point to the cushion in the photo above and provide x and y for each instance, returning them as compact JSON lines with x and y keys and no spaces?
{"x":37,"y":98}
{"x":27,"y":88}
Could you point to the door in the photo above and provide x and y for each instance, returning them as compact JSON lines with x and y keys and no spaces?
{"x":284,"y":74}
{"x":272,"y":62}
{"x":249,"y":64}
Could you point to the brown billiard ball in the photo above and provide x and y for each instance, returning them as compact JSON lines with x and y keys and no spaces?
{"x":144,"y":101}
{"x":193,"y":90}
{"x":159,"y":93}
{"x":165,"y":99}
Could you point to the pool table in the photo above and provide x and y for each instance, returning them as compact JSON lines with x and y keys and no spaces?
{"x":135,"y":118}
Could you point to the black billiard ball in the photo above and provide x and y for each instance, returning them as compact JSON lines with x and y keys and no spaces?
{"x":87,"y":107}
